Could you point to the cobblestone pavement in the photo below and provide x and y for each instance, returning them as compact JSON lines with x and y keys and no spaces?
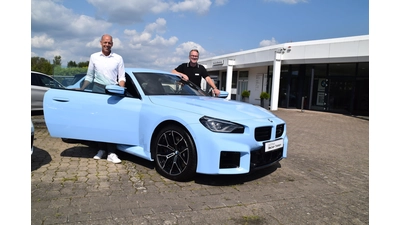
{"x":324,"y":180}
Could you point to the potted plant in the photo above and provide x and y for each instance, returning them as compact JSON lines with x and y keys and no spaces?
{"x":245,"y":96}
{"x":264,"y":97}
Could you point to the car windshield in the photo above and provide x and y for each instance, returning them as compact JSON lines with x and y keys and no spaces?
{"x":167,"y":84}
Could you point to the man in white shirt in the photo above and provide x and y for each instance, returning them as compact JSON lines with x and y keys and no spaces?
{"x":105,"y":67}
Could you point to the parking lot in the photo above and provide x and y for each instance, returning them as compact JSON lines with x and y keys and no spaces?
{"x":324,"y":180}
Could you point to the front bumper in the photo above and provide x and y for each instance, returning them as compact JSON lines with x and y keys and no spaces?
{"x":220,"y":153}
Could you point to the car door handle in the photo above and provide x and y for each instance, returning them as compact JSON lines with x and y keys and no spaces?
{"x":60,"y":99}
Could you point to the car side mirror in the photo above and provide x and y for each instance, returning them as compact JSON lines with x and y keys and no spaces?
{"x":115,"y":89}
{"x":223,"y":94}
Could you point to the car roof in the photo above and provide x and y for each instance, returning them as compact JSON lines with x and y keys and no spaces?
{"x":48,"y":76}
{"x":144,"y":70}
{"x":39,"y":73}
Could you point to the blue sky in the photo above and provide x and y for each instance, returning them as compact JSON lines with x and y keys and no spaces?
{"x":159,"y":33}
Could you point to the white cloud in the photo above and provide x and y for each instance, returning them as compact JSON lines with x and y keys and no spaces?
{"x":184,"y":49}
{"x":82,"y":24}
{"x":199,"y":6}
{"x":117,"y":43}
{"x":220,"y":2}
{"x":163,"y":42}
{"x":43,"y":11}
{"x":145,"y":37}
{"x":57,"y":30}
{"x":264,"y":43}
{"x":128,"y":12}
{"x":95,"y":43}
{"x":130,"y":32}
{"x":56,"y":20}
{"x":132,"y":11}
{"x":288,"y":1}
{"x":42,"y":41}
{"x":135,"y":46}
{"x":159,"y":26}
{"x":159,"y":7}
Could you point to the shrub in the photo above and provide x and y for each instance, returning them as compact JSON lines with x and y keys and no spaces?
{"x":264,"y":95}
{"x":246,"y":93}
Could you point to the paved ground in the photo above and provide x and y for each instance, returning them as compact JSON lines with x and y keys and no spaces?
{"x":324,"y":180}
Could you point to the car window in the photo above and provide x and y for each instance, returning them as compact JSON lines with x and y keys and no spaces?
{"x":77,"y":77}
{"x":89,"y":87}
{"x":67,"y":81}
{"x":49,"y":82}
{"x":35,"y":80}
{"x":131,"y":90}
{"x":167,"y":84}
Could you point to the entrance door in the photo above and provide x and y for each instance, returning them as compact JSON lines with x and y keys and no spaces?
{"x":242,"y":85}
{"x":243,"y":81}
{"x":339,"y":94}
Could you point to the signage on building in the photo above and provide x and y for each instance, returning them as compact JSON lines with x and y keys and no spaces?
{"x":218,"y":63}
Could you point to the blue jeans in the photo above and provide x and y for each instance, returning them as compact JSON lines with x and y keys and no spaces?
{"x":107,"y":147}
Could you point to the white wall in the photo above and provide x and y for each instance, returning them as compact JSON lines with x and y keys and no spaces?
{"x":335,"y":50}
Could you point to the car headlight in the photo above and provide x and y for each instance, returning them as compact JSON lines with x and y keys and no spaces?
{"x":221,"y":126}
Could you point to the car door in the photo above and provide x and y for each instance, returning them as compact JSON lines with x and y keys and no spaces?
{"x":92,"y":116}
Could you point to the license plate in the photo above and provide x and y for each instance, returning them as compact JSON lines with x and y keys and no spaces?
{"x":273,"y":145}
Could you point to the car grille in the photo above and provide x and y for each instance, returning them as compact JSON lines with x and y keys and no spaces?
{"x":263,"y":133}
{"x":260,"y":159}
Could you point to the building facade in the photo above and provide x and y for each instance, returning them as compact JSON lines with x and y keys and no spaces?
{"x":329,"y":75}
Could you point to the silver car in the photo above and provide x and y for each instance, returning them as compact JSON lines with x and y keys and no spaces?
{"x":32,"y":136}
{"x":40,"y":83}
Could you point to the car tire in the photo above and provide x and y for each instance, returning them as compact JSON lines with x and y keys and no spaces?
{"x":175,"y":153}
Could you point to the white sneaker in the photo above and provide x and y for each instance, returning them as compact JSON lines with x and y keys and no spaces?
{"x":99,"y":155}
{"x":113,"y":158}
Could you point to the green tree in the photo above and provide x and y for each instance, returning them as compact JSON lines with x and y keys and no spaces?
{"x":57,"y":61}
{"x":70,"y":71}
{"x":71,"y":64}
{"x":42,"y":65}
{"x":83,"y":64}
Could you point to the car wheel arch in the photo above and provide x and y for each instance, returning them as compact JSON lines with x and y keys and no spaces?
{"x":190,"y":168}
{"x":162,"y":125}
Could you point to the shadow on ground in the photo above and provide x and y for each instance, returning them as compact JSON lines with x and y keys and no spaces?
{"x":88,"y":151}
{"x":39,"y":158}
{"x":226,"y":180}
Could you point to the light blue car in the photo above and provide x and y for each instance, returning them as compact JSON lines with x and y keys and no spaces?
{"x":162,"y":118}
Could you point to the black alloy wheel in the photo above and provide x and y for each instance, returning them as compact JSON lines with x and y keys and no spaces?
{"x":175,"y":153}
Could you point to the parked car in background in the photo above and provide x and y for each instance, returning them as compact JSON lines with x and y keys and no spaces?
{"x":78,"y":80}
{"x":40,"y":83}
{"x":162,"y":118}
{"x":32,"y":136}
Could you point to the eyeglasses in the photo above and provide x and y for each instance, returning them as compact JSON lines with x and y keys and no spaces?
{"x":194,"y":56}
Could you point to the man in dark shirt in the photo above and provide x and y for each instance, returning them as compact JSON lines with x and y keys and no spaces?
{"x":194,"y":72}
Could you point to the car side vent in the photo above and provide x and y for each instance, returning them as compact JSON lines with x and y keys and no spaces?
{"x":262,"y":133}
{"x":279,"y":130}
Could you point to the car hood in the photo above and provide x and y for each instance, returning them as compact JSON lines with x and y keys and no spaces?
{"x":213,"y":107}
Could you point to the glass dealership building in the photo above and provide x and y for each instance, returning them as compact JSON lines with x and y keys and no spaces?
{"x":330,"y":75}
